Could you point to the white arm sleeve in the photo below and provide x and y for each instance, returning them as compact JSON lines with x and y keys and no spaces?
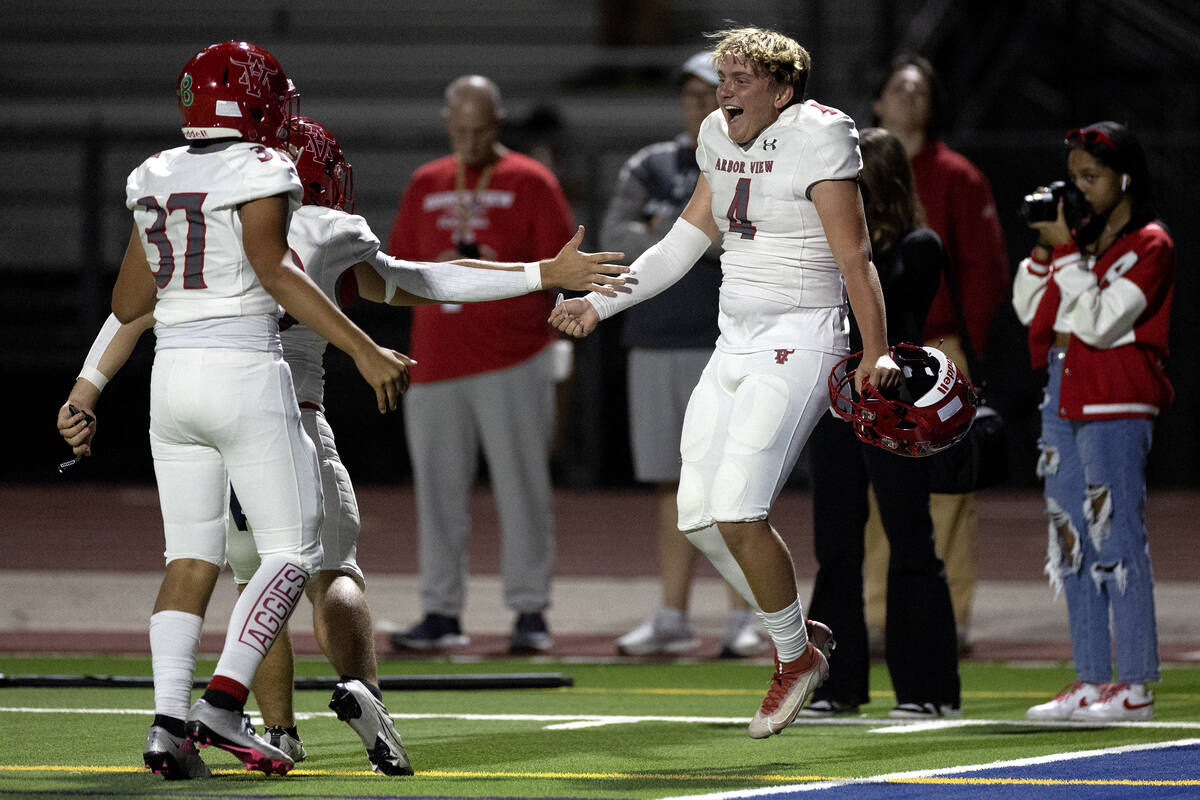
{"x":446,"y":282}
{"x":90,"y":371}
{"x":1102,"y":318}
{"x":1029,"y":286}
{"x":656,"y":269}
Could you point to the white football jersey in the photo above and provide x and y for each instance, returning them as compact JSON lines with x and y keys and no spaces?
{"x":185,"y":205}
{"x":780,"y":284}
{"x":325,"y":243}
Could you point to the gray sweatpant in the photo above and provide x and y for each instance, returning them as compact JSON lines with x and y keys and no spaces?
{"x":509,"y":413}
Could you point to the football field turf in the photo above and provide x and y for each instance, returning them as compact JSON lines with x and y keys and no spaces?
{"x":622,"y":730}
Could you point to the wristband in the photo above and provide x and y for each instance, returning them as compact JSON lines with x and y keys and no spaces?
{"x":533,"y":275}
{"x":1036,"y":267}
{"x":93,"y":376}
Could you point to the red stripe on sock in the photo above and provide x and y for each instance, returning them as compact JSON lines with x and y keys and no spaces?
{"x":230,"y":687}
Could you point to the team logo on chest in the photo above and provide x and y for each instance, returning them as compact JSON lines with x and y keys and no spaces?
{"x":781,"y":356}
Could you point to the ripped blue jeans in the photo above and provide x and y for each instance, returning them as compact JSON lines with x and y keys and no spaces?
{"x":1094,"y":475}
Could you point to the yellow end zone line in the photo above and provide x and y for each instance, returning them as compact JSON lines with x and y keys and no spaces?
{"x":445,"y":773}
{"x":623,"y":776}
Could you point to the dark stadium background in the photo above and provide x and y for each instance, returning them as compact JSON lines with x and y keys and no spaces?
{"x":87,"y":92}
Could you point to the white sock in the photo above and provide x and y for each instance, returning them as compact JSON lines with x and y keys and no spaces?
{"x":261,"y":612}
{"x":174,"y":639}
{"x":671,"y":617}
{"x":786,"y":627}
{"x":710,"y":542}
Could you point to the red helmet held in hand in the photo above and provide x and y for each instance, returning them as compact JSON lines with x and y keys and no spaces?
{"x":327,"y":176}
{"x":932,"y":409}
{"x":235,"y":90}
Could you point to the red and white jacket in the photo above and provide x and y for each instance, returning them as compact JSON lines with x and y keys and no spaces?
{"x":1117,"y":309}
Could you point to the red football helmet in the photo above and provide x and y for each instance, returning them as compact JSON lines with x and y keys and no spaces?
{"x":327,"y":176}
{"x":933,"y":408}
{"x":235,"y":90}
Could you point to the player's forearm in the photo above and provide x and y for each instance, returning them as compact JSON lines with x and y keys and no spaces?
{"x":111,"y":349}
{"x":866,"y":299}
{"x":460,"y":281}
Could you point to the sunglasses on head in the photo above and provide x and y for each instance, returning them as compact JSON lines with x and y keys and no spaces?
{"x":1089,"y":136}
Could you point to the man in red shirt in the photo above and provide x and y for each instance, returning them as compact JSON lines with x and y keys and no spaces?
{"x":484,"y":375}
{"x":958,"y":204}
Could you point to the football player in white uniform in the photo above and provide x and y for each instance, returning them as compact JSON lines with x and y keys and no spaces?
{"x":341,"y":254}
{"x":208,"y":256}
{"x":778,"y":186}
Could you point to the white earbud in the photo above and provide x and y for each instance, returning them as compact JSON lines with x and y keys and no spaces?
{"x":1124,"y":182}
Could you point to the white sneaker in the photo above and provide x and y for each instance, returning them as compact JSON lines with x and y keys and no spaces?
{"x":664,"y":633}
{"x":744,"y":635}
{"x":1119,"y":702}
{"x":355,"y":705}
{"x":1074,"y":696}
{"x":791,"y":687}
{"x":277,"y":736}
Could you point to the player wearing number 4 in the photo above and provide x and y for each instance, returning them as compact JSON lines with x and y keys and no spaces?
{"x":340,"y":253}
{"x":778,"y":187}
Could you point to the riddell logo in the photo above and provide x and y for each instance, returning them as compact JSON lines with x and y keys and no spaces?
{"x":781,"y":356}
{"x":273,"y":607}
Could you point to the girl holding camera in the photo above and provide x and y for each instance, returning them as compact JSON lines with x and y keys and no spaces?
{"x":1096,"y":294}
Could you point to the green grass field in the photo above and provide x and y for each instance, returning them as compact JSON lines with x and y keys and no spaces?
{"x":636,"y":730}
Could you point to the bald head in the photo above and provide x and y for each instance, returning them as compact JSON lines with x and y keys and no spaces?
{"x":473,"y":115}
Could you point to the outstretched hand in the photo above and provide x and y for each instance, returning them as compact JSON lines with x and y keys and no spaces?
{"x":574,"y":317}
{"x":583,"y":272}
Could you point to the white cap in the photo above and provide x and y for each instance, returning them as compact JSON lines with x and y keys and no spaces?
{"x":700,"y":65}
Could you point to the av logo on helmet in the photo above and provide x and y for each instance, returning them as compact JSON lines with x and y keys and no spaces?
{"x":319,"y":145}
{"x":254,"y":73}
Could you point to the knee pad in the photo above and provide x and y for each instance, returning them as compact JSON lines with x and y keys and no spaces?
{"x":689,"y":499}
{"x":730,"y":488}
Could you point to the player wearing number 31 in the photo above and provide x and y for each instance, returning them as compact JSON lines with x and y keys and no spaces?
{"x":778,"y":186}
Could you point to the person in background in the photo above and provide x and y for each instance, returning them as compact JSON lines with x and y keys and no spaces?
{"x":957,"y":197}
{"x":778,"y":189}
{"x":1096,"y":294}
{"x":670,"y":339}
{"x":486,"y":377}
{"x":920,"y":643}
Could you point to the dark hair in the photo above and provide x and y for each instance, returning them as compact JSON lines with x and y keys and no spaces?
{"x":937,"y":92}
{"x":893,"y":210}
{"x":1118,"y":148}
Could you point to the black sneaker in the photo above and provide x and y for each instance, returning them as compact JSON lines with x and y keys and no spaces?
{"x":434,"y":632}
{"x":530,"y":635}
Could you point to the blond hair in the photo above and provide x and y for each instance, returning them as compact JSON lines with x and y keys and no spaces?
{"x":768,"y":52}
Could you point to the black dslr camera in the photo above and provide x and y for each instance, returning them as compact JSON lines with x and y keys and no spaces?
{"x":1041,"y":205}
